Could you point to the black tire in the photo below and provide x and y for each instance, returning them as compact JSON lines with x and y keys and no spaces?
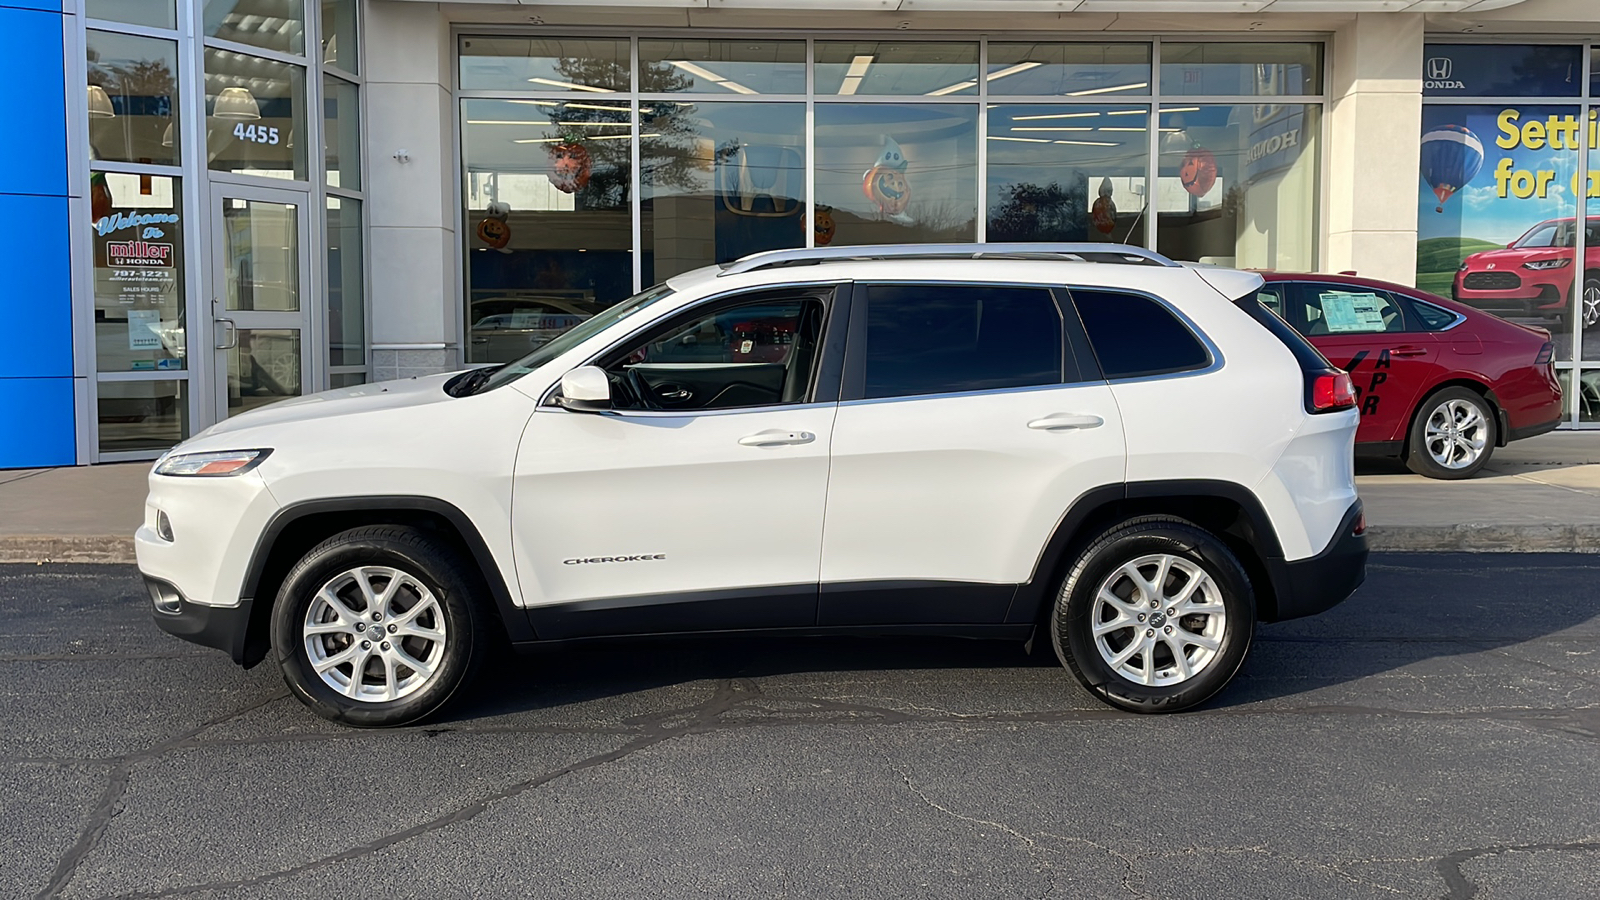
{"x":1420,"y":459}
{"x":1073,"y":617}
{"x":433,"y":565}
{"x":1588,"y":307}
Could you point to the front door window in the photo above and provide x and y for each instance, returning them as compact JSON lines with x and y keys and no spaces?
{"x":260,"y":319}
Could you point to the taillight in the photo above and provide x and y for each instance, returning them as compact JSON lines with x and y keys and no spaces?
{"x":1546,"y":353}
{"x":1332,"y":391}
{"x":1360,"y":526}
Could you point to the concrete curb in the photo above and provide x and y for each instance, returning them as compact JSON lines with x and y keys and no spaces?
{"x":89,"y":548}
{"x":1469,"y":537}
{"x":1484,"y":537}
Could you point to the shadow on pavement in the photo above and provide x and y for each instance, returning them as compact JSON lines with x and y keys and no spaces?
{"x":1413,"y":608}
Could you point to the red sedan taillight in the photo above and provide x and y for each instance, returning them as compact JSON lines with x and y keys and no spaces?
{"x":1332,"y":391}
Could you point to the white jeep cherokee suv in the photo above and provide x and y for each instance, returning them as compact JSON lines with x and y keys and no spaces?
{"x":979,"y":440}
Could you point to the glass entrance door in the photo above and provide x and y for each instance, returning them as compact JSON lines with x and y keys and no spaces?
{"x":262,"y":291}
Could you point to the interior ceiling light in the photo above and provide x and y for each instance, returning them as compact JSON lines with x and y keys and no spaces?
{"x":571,"y":86}
{"x":1089,"y":143}
{"x":998,"y":137}
{"x":1055,"y":128}
{"x":854,"y":74}
{"x":1019,"y":67}
{"x":708,"y":75}
{"x":1177,"y":109}
{"x":951,"y":89}
{"x":1107,"y":90}
{"x":100,"y":103}
{"x":237,"y":104}
{"x":1076,"y":115}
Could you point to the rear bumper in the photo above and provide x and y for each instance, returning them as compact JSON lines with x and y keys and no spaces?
{"x":1305,"y":587}
{"x":224,"y":628}
{"x":1518,"y":434}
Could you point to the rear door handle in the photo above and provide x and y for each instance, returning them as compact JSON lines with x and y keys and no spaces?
{"x":774,"y":437}
{"x":1408,"y":351}
{"x":1064,"y":422}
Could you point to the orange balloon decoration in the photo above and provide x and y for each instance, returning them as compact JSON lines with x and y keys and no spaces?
{"x":570,"y":167}
{"x":1198,"y":172}
{"x":494,"y":232}
{"x":1103,"y":214}
{"x":888,"y":189}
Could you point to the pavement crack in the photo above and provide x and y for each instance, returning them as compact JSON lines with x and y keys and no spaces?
{"x":1459,"y":887}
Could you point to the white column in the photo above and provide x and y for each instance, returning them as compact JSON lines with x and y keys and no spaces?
{"x":1375,"y":93}
{"x":411,"y":202}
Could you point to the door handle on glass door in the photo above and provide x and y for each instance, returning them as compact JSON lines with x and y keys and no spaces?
{"x":773,"y":437}
{"x":1064,"y":421}
{"x":1409,"y":350}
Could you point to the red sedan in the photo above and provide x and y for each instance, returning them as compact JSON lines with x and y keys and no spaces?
{"x":1439,"y":383}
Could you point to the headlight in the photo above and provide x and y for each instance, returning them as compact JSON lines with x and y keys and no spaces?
{"x":1546,"y":263}
{"x":211,"y":465}
{"x":1462,"y":267}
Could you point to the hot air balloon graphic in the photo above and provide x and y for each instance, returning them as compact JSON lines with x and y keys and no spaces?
{"x":1451,"y":155}
{"x":1104,"y":213}
{"x":885,"y":183}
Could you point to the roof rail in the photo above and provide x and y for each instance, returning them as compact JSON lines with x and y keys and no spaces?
{"x":1075,"y":252}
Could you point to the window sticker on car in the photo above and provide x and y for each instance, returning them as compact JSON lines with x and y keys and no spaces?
{"x":1352,"y":312}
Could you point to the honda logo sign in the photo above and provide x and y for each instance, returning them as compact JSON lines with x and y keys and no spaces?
{"x":1439,"y":68}
{"x":1436,"y":74}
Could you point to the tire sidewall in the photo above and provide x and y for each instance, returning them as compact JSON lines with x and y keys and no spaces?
{"x":336,"y":556}
{"x":1072,"y":617}
{"x":1422,"y":462}
{"x":1590,"y":283}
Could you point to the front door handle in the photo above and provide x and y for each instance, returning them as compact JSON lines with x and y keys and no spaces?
{"x":1064,"y":422}
{"x":1408,"y":350}
{"x":233,"y":335}
{"x":774,"y":437}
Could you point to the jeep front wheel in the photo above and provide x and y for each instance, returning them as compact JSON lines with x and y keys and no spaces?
{"x":1155,"y":616}
{"x":377,"y":626}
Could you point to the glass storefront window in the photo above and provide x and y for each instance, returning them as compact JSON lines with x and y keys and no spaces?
{"x":722,"y":67}
{"x":1496,"y":212}
{"x":340,"y":42}
{"x":897,"y":68}
{"x":548,"y":216}
{"x":142,"y":415}
{"x":346,"y":379}
{"x":133,"y":82}
{"x":580,"y":65}
{"x":255,"y":114}
{"x":1068,"y":173}
{"x":269,"y":24}
{"x":347,"y":324}
{"x":150,"y":13}
{"x":341,"y":133}
{"x":720,"y":181}
{"x":1241,"y":69}
{"x":897,"y":173}
{"x":1237,"y":185}
{"x":138,"y":272}
{"x":263,"y":368}
{"x":1502,"y":70}
{"x":1072,"y":70}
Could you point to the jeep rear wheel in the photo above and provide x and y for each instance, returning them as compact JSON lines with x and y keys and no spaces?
{"x":1155,"y":616}
{"x":377,"y":626}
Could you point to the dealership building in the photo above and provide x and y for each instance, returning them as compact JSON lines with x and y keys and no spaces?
{"x":210,"y":205}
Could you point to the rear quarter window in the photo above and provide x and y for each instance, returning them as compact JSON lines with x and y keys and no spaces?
{"x":1135,"y":336}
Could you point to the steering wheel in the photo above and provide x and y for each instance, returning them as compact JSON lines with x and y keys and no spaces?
{"x":640,"y":389}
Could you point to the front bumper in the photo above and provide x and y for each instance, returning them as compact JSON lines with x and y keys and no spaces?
{"x":1531,"y":299}
{"x":225,"y":628}
{"x":1305,"y":587}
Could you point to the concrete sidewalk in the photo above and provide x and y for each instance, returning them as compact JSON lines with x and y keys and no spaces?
{"x":1536,"y":495}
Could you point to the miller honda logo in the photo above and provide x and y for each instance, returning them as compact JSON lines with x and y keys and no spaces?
{"x":1436,"y":74}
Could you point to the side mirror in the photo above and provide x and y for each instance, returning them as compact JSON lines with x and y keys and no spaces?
{"x":586,"y":389}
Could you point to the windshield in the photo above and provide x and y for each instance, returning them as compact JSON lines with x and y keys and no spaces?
{"x":567,"y":340}
{"x":1558,"y":234}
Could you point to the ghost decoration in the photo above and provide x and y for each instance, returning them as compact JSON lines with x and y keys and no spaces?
{"x":1104,"y":212}
{"x":885,"y":183}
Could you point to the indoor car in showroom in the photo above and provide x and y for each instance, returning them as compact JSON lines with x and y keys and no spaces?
{"x":1440,"y":384}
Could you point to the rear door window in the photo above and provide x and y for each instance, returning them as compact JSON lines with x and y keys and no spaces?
{"x":1322,"y":309}
{"x":947,"y":338}
{"x":1135,"y":336}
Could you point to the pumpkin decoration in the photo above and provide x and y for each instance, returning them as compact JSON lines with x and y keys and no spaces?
{"x":1198,"y":171}
{"x":570,"y":165}
{"x":100,"y":202}
{"x":885,"y":183}
{"x":1104,"y":212}
{"x":823,"y":228}
{"x":494,"y":232}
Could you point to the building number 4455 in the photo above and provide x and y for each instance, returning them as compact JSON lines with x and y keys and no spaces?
{"x":261,"y":134}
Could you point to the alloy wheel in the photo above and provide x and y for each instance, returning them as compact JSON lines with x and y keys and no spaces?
{"x":1591,"y":304}
{"x":1456,"y":434}
{"x":1158,"y":620}
{"x":374,"y":634}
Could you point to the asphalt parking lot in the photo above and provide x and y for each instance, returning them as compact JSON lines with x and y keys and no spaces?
{"x":1436,"y":736}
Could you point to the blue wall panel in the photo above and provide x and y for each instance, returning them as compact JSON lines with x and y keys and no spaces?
{"x":36,"y":289}
{"x":36,"y":424}
{"x":46,"y":5}
{"x":33,"y":136}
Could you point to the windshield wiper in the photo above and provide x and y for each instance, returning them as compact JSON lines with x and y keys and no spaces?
{"x":470,"y":382}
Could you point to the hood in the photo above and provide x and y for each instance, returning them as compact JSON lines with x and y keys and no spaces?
{"x":1512,"y":258}
{"x":383,"y":395}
